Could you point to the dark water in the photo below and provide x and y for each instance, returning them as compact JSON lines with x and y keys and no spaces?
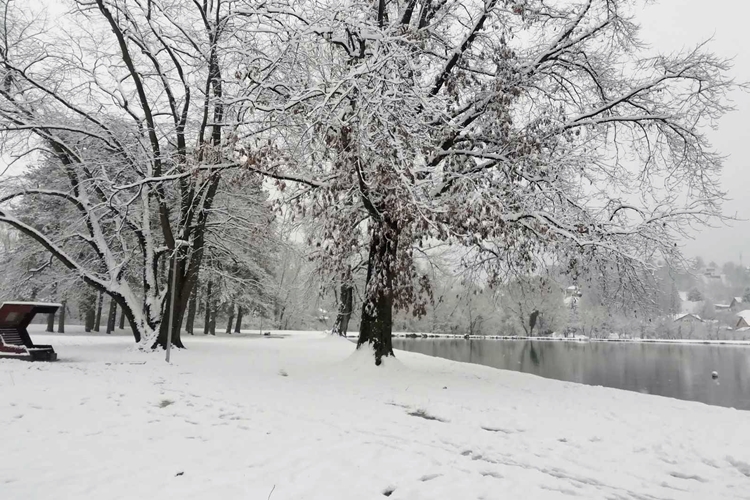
{"x":677,"y":371}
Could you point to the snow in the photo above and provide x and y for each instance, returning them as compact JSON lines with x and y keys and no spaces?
{"x":308,"y":417}
{"x":35,"y":304}
{"x":688,"y":307}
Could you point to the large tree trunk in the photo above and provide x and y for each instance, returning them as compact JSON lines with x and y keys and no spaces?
{"x":207,"y":321}
{"x":61,"y":320}
{"x":376,"y":324}
{"x":99,"y":305}
{"x":178,"y":312}
{"x":192,"y":307}
{"x":112,"y":316}
{"x":346,"y":305}
{"x":238,"y":324}
{"x":231,"y":318}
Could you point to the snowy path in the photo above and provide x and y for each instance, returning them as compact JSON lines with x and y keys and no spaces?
{"x":304,"y":418}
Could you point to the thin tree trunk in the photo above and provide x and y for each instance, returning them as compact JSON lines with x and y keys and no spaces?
{"x":127,"y":310}
{"x":122,"y":320}
{"x":51,"y":317}
{"x":192,"y":307}
{"x":341,"y":327}
{"x":99,"y":305}
{"x":112,"y":316}
{"x":207,"y":322}
{"x":238,"y":324}
{"x":90,"y":316}
{"x":212,"y":324}
{"x":61,"y":320}
{"x":376,"y":325}
{"x":283,"y":321}
{"x":231,"y":318}
{"x":50,"y":323}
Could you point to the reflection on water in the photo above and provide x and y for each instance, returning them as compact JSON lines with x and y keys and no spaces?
{"x":678,"y":371}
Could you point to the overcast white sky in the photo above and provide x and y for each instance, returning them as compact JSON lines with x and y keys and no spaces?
{"x":670,"y":25}
{"x":673,"y":24}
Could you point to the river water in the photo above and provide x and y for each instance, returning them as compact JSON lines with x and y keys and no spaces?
{"x":680,"y":371}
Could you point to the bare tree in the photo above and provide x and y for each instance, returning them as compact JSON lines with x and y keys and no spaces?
{"x":138,"y":114}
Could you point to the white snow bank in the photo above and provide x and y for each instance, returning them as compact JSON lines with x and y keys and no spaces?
{"x":303,"y":417}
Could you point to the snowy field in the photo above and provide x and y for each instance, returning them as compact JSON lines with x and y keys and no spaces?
{"x":306,"y":417}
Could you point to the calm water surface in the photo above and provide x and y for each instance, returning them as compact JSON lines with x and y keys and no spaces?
{"x":677,"y":371}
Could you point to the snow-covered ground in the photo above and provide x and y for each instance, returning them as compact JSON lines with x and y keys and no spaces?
{"x":307,"y":417}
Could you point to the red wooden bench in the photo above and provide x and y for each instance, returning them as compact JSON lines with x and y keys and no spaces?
{"x":15,"y":341}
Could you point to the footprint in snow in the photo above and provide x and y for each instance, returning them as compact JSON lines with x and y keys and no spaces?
{"x":496,"y":475}
{"x":497,"y":429}
{"x":742,"y":467}
{"x":681,"y":475}
{"x":429,"y":477}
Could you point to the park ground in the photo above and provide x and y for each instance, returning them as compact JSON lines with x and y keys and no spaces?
{"x":308,"y":417}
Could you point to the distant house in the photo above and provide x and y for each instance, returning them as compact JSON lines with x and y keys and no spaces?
{"x":722,"y":307}
{"x":744,"y":320}
{"x":689,"y":318}
{"x":736,"y":303}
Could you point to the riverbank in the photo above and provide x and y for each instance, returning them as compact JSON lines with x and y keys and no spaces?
{"x":306,"y":416}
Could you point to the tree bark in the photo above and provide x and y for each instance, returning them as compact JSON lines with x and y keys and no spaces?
{"x":192,"y":307}
{"x":51,"y":317}
{"x":281,"y":321}
{"x":346,"y":305}
{"x":376,"y":325}
{"x":61,"y":319}
{"x":212,"y":323}
{"x":207,"y":321}
{"x":99,"y":305}
{"x":238,"y":324}
{"x":90,"y":316}
{"x":122,"y":321}
{"x":112,"y":316}
{"x":231,"y":318}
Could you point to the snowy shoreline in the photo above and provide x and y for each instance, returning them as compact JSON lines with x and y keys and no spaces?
{"x":77,"y":330}
{"x":419,"y":336}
